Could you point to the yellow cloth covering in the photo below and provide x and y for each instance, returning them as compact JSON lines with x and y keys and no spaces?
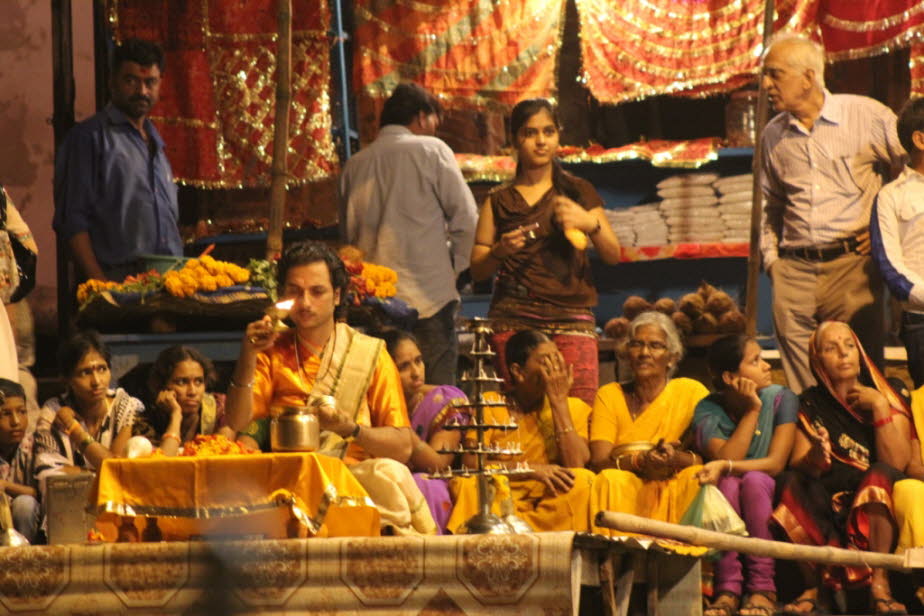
{"x":236,"y":495}
{"x":532,"y":501}
{"x":908,"y":494}
{"x":278,"y":382}
{"x":667,"y":417}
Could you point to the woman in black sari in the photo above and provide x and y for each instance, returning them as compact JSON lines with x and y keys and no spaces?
{"x":854,"y":443}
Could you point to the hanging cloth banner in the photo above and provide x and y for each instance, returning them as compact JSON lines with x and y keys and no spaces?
{"x":640,"y":48}
{"x":470,"y":53}
{"x":218,"y":94}
{"x":862,"y":29}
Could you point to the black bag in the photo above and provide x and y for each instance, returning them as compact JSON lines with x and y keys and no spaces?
{"x":25,"y":259}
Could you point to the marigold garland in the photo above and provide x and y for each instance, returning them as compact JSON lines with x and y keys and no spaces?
{"x":204,"y":274}
{"x":367,"y":279}
{"x":204,"y":446}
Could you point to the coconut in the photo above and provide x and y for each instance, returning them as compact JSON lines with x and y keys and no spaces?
{"x":683,"y":322}
{"x":692,"y":304}
{"x":635,"y":306}
{"x":706,"y":290}
{"x":666,"y":305}
{"x":705,"y":324}
{"x":719,"y":303}
{"x":731,"y":322}
{"x":617,"y":327}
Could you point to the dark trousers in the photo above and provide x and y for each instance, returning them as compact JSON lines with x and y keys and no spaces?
{"x":912,"y":335}
{"x":436,"y":336}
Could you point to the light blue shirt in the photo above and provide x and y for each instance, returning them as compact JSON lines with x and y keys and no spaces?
{"x":110,"y":183}
{"x":819,"y":184}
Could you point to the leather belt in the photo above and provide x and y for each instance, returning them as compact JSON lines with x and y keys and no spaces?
{"x":823,"y":252}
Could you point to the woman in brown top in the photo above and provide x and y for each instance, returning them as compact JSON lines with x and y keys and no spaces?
{"x":544,"y":280}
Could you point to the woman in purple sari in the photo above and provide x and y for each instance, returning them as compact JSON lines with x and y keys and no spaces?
{"x":430,"y":408}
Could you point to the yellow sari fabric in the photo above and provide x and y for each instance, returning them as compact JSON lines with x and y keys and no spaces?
{"x":908,"y":494}
{"x":667,"y":417}
{"x":529,"y":499}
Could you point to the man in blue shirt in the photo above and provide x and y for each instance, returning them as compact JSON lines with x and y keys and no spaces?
{"x":115,"y":199}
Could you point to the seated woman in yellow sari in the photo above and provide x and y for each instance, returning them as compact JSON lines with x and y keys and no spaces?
{"x":636,"y":429}
{"x":908,"y":494}
{"x":552,"y":432}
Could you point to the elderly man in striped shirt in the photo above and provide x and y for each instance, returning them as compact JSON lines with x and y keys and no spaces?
{"x":823,"y":158}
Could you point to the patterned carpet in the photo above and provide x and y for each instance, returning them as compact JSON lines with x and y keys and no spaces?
{"x":496,"y":574}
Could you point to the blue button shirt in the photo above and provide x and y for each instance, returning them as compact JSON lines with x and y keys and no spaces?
{"x":109,"y":184}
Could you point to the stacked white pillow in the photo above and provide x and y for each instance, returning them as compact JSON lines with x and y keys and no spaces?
{"x":694,"y":208}
{"x":688,"y":206}
{"x":735,"y":196}
{"x":639,"y":225}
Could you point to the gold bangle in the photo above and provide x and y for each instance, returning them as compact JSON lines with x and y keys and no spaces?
{"x":85,"y":442}
{"x":561,"y":433}
{"x":239,"y":386}
{"x":729,"y":466}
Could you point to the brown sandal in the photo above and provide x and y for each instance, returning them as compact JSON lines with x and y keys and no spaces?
{"x":816,"y":610}
{"x":724,"y":604}
{"x":889,"y":609}
{"x":753,"y":609}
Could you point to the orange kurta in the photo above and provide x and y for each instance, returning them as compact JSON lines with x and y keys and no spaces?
{"x":279,"y":382}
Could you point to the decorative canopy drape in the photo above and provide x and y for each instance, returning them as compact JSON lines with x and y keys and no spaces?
{"x":217,"y":102}
{"x":469,"y":53}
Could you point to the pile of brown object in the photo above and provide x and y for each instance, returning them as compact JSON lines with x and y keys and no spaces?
{"x":706,"y":311}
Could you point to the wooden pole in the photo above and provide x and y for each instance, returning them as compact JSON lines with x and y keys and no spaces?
{"x":62,"y":62}
{"x":627,"y":523}
{"x":750,"y":294}
{"x":280,"y":172}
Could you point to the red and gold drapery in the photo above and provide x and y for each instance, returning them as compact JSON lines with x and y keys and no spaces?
{"x":218,"y":95}
{"x":638,"y":48}
{"x":862,"y":29}
{"x":469,"y":53}
{"x":690,"y":154}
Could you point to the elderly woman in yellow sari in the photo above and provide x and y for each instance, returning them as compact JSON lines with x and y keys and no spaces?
{"x":636,"y":429}
{"x":552,"y":433}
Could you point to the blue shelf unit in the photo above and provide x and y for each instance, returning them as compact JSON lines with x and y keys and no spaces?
{"x":623,"y":184}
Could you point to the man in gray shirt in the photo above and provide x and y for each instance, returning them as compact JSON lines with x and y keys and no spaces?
{"x":405,"y":204}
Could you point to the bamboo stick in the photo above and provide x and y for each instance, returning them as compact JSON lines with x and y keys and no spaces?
{"x":627,"y":523}
{"x":280,"y":172}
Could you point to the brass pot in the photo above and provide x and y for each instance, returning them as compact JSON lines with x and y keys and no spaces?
{"x":295,"y":428}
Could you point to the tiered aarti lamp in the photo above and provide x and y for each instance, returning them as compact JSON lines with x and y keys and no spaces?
{"x":480,"y":377}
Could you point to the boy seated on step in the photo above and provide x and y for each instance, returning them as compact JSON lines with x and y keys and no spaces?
{"x":16,"y":477}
